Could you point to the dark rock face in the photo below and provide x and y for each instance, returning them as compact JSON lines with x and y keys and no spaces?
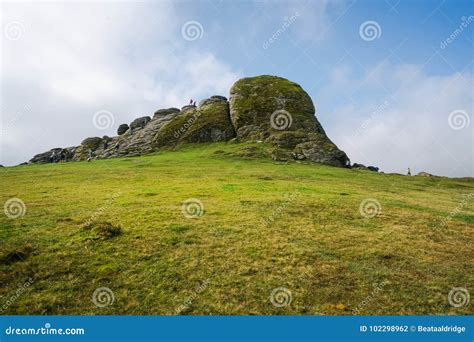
{"x":359,"y":166}
{"x":122,"y":129}
{"x":164,"y":112}
{"x":53,"y":156}
{"x":264,"y":108}
{"x":140,"y":122}
{"x":280,"y":112}
{"x":46,"y":157}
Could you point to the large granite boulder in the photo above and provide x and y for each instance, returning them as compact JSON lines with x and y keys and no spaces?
{"x":140,"y":122}
{"x":165,"y":112}
{"x":54,"y":155}
{"x":280,"y":112}
{"x":210,"y":122}
{"x":88,"y":145}
{"x":122,"y":129}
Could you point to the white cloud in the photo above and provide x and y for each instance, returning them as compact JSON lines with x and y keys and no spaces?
{"x":407,"y":127}
{"x":75,"y":59}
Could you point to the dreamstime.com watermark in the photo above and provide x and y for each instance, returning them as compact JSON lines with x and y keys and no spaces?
{"x":192,"y":30}
{"x":103,"y":297}
{"x":376,"y":289}
{"x":46,"y":330}
{"x":186,"y":125}
{"x":457,"y":210}
{"x":281,"y":297}
{"x":281,"y":120}
{"x":21,"y":289}
{"x":101,"y":210}
{"x":192,"y":208}
{"x":14,"y":208}
{"x":370,"y":30}
{"x":103,"y":119}
{"x":278,"y":212}
{"x":458,"y":119}
{"x":373,"y":117}
{"x":189,"y":301}
{"x":14,"y":30}
{"x":457,"y":32}
{"x":370,"y":208}
{"x":18,"y":115}
{"x":287,"y":22}
{"x":458,"y":297}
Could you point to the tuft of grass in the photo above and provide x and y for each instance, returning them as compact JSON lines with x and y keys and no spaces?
{"x":19,"y":254}
{"x":102,"y":230}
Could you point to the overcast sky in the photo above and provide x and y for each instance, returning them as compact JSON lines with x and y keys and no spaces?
{"x":392,"y":81}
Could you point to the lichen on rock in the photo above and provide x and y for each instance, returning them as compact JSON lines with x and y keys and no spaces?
{"x":210,"y":122}
{"x":265,"y":108}
{"x":280,"y":112}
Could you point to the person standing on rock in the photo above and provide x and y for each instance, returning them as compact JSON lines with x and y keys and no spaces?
{"x":190,"y":102}
{"x":409,"y":172}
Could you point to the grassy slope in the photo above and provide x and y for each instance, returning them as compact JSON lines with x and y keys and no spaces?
{"x":319,"y":247}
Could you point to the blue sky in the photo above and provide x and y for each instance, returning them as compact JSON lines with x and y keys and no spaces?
{"x":390,"y":101}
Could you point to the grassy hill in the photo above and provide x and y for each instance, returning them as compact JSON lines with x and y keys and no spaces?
{"x":295,"y":230}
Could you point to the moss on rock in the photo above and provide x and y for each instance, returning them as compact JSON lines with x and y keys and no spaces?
{"x":253,"y":100}
{"x":208,"y":123}
{"x":280,"y":112}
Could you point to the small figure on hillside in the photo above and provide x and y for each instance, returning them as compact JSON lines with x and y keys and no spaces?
{"x":190,"y":102}
{"x":409,"y":172}
{"x":117,"y":146}
{"x":194,"y":103}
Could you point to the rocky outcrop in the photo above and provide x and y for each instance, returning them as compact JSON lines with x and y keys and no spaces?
{"x":140,"y":122}
{"x":363,"y":167}
{"x":54,"y":155}
{"x":164,"y":112}
{"x":209,"y":122}
{"x":133,"y":142}
{"x":280,"y":112}
{"x":265,"y":108}
{"x":122,"y":129}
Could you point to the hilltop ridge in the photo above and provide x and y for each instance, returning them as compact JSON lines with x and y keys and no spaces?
{"x":264,"y":108}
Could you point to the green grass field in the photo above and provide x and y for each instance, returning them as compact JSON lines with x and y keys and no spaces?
{"x":293,"y":229}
